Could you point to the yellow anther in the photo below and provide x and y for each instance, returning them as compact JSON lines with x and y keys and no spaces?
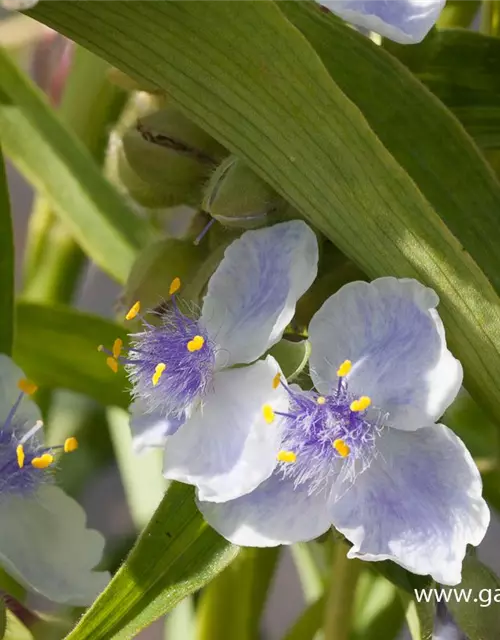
{"x":321,"y":399}
{"x":26,"y":386}
{"x":112,"y":364}
{"x":20,"y":455}
{"x":117,"y":347}
{"x":361,"y":404}
{"x":175,"y":285}
{"x":100,"y":347}
{"x":341,"y":447}
{"x":344,"y":368}
{"x":268,"y":413}
{"x":43,"y":461}
{"x":70,"y":444}
{"x":159,"y":369}
{"x":196,"y":343}
{"x":276,"y":380}
{"x":133,"y":311}
{"x":286,"y":456}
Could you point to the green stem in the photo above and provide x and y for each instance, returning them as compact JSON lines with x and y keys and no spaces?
{"x":490,"y":17}
{"x":340,"y":599}
{"x":54,"y":262}
{"x":55,"y":265}
{"x":232,"y":604}
{"x":458,"y":13}
{"x":6,"y":266}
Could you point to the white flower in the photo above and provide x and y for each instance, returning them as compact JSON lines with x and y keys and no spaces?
{"x":404,"y":21}
{"x":364,"y":453}
{"x":187,"y":396}
{"x":44,"y":543}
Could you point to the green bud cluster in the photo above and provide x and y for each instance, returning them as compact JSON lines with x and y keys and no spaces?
{"x":236,"y":197}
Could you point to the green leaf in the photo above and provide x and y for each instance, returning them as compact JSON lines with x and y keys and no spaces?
{"x":176,"y":555}
{"x":6,"y":266}
{"x":3,"y":619}
{"x":57,"y":347}
{"x":58,"y":165}
{"x":244,"y":73}
{"x":15,"y":629}
{"x":460,"y":67}
{"x":482,"y":123}
{"x":477,"y":618}
{"x":292,"y":357}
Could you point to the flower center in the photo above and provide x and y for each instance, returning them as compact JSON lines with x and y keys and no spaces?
{"x":171,"y":365}
{"x":325,"y":436}
{"x":24,"y":463}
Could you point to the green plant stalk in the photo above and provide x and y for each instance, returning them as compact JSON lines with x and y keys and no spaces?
{"x":232,"y":604}
{"x":340,"y":599}
{"x":54,"y":261}
{"x":490,"y":17}
{"x":458,"y":13}
{"x":311,"y":577}
{"x":6,"y":266}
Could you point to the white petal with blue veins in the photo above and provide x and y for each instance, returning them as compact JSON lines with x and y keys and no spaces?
{"x":45,"y":545}
{"x":227,"y":448}
{"x":150,"y":428}
{"x":27,"y":413}
{"x":418,"y":504}
{"x":392,"y":334}
{"x":275,"y":513}
{"x":252,"y":295}
{"x":404,"y":21}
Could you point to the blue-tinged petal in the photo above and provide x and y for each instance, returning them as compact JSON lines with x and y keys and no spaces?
{"x":275,"y":513}
{"x":252,"y":295}
{"x":390,"y":331}
{"x":150,"y":428}
{"x":227,"y":447}
{"x":27,"y":413}
{"x":404,"y":21}
{"x":45,"y":545}
{"x":418,"y":504}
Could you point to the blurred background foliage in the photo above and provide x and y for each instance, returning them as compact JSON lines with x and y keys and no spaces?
{"x":157,"y":134}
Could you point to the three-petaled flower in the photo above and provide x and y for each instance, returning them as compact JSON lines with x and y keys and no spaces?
{"x":44,"y":543}
{"x":186,"y":389}
{"x":363,"y":451}
{"x":404,"y":21}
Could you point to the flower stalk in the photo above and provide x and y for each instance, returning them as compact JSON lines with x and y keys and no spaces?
{"x":340,"y":600}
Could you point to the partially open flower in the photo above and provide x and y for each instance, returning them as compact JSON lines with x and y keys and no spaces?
{"x":43,"y":539}
{"x":404,"y":21}
{"x":183,"y":383}
{"x":363,"y":452}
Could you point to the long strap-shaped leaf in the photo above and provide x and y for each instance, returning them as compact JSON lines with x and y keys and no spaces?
{"x":176,"y":554}
{"x":245,"y":73}
{"x":6,"y":266}
{"x":57,"y":347}
{"x":58,"y":165}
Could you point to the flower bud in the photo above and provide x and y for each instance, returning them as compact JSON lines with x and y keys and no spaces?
{"x":156,"y":267}
{"x":237,"y":197}
{"x":172,"y":155}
